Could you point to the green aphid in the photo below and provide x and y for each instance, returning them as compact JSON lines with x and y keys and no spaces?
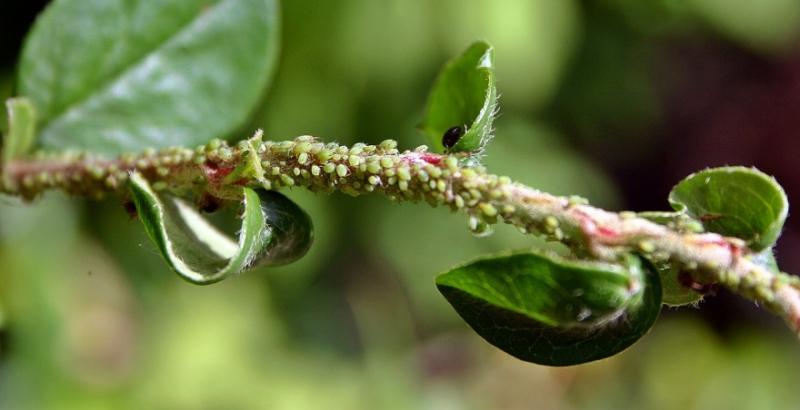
{"x":43,"y":178}
{"x":388,"y":145}
{"x":225,"y":154}
{"x":434,"y":172}
{"x":404,"y":174}
{"x":301,"y":148}
{"x":357,"y":149}
{"x":28,"y":181}
{"x":324,"y":155}
{"x":488,"y":209}
{"x":451,"y":163}
{"x":647,"y":246}
{"x":302,"y":158}
{"x":373,"y":167}
{"x":287,"y":180}
{"x":95,"y":171}
{"x":110,"y":182}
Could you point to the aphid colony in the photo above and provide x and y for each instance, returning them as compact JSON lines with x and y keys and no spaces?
{"x":95,"y":176}
{"x":415,"y":175}
{"x":214,"y":169}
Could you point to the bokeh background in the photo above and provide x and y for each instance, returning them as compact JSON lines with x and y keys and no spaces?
{"x":615,"y":100}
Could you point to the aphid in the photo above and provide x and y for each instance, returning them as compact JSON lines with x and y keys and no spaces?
{"x":452,"y":135}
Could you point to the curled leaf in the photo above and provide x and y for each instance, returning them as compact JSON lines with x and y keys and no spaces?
{"x":734,"y":201}
{"x":292,"y":230}
{"x":274,"y":231}
{"x":548,"y":310}
{"x":462,"y":103}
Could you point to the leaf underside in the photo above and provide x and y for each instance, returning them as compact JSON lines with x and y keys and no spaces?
{"x":192,"y":247}
{"x":274,"y":231}
{"x":549,"y":311}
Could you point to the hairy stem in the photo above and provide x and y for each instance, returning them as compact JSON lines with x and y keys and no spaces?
{"x":217,"y":169}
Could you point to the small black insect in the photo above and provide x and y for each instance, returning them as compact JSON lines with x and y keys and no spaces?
{"x":452,"y":135}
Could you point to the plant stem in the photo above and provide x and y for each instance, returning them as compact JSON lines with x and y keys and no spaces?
{"x":442,"y":180}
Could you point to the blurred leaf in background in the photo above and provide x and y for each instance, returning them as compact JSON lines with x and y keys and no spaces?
{"x":768,"y":26}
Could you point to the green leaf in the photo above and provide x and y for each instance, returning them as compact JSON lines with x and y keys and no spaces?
{"x":675,"y":293}
{"x":274,"y":231}
{"x":734,"y":201}
{"x":464,"y":97}
{"x":547,"y":310}
{"x":767,"y":259}
{"x":111,"y":76}
{"x":21,"y":130}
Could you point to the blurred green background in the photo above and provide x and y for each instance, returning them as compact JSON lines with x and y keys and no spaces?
{"x":615,"y":100}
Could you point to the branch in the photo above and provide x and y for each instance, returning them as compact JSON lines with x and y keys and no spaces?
{"x":218,"y":170}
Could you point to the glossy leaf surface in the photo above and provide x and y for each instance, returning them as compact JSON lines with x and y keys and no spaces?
{"x":547,"y":310}
{"x":463,"y":97}
{"x":734,"y":201}
{"x":111,"y":76}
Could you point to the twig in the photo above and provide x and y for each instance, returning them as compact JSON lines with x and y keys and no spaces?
{"x":441,"y":180}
